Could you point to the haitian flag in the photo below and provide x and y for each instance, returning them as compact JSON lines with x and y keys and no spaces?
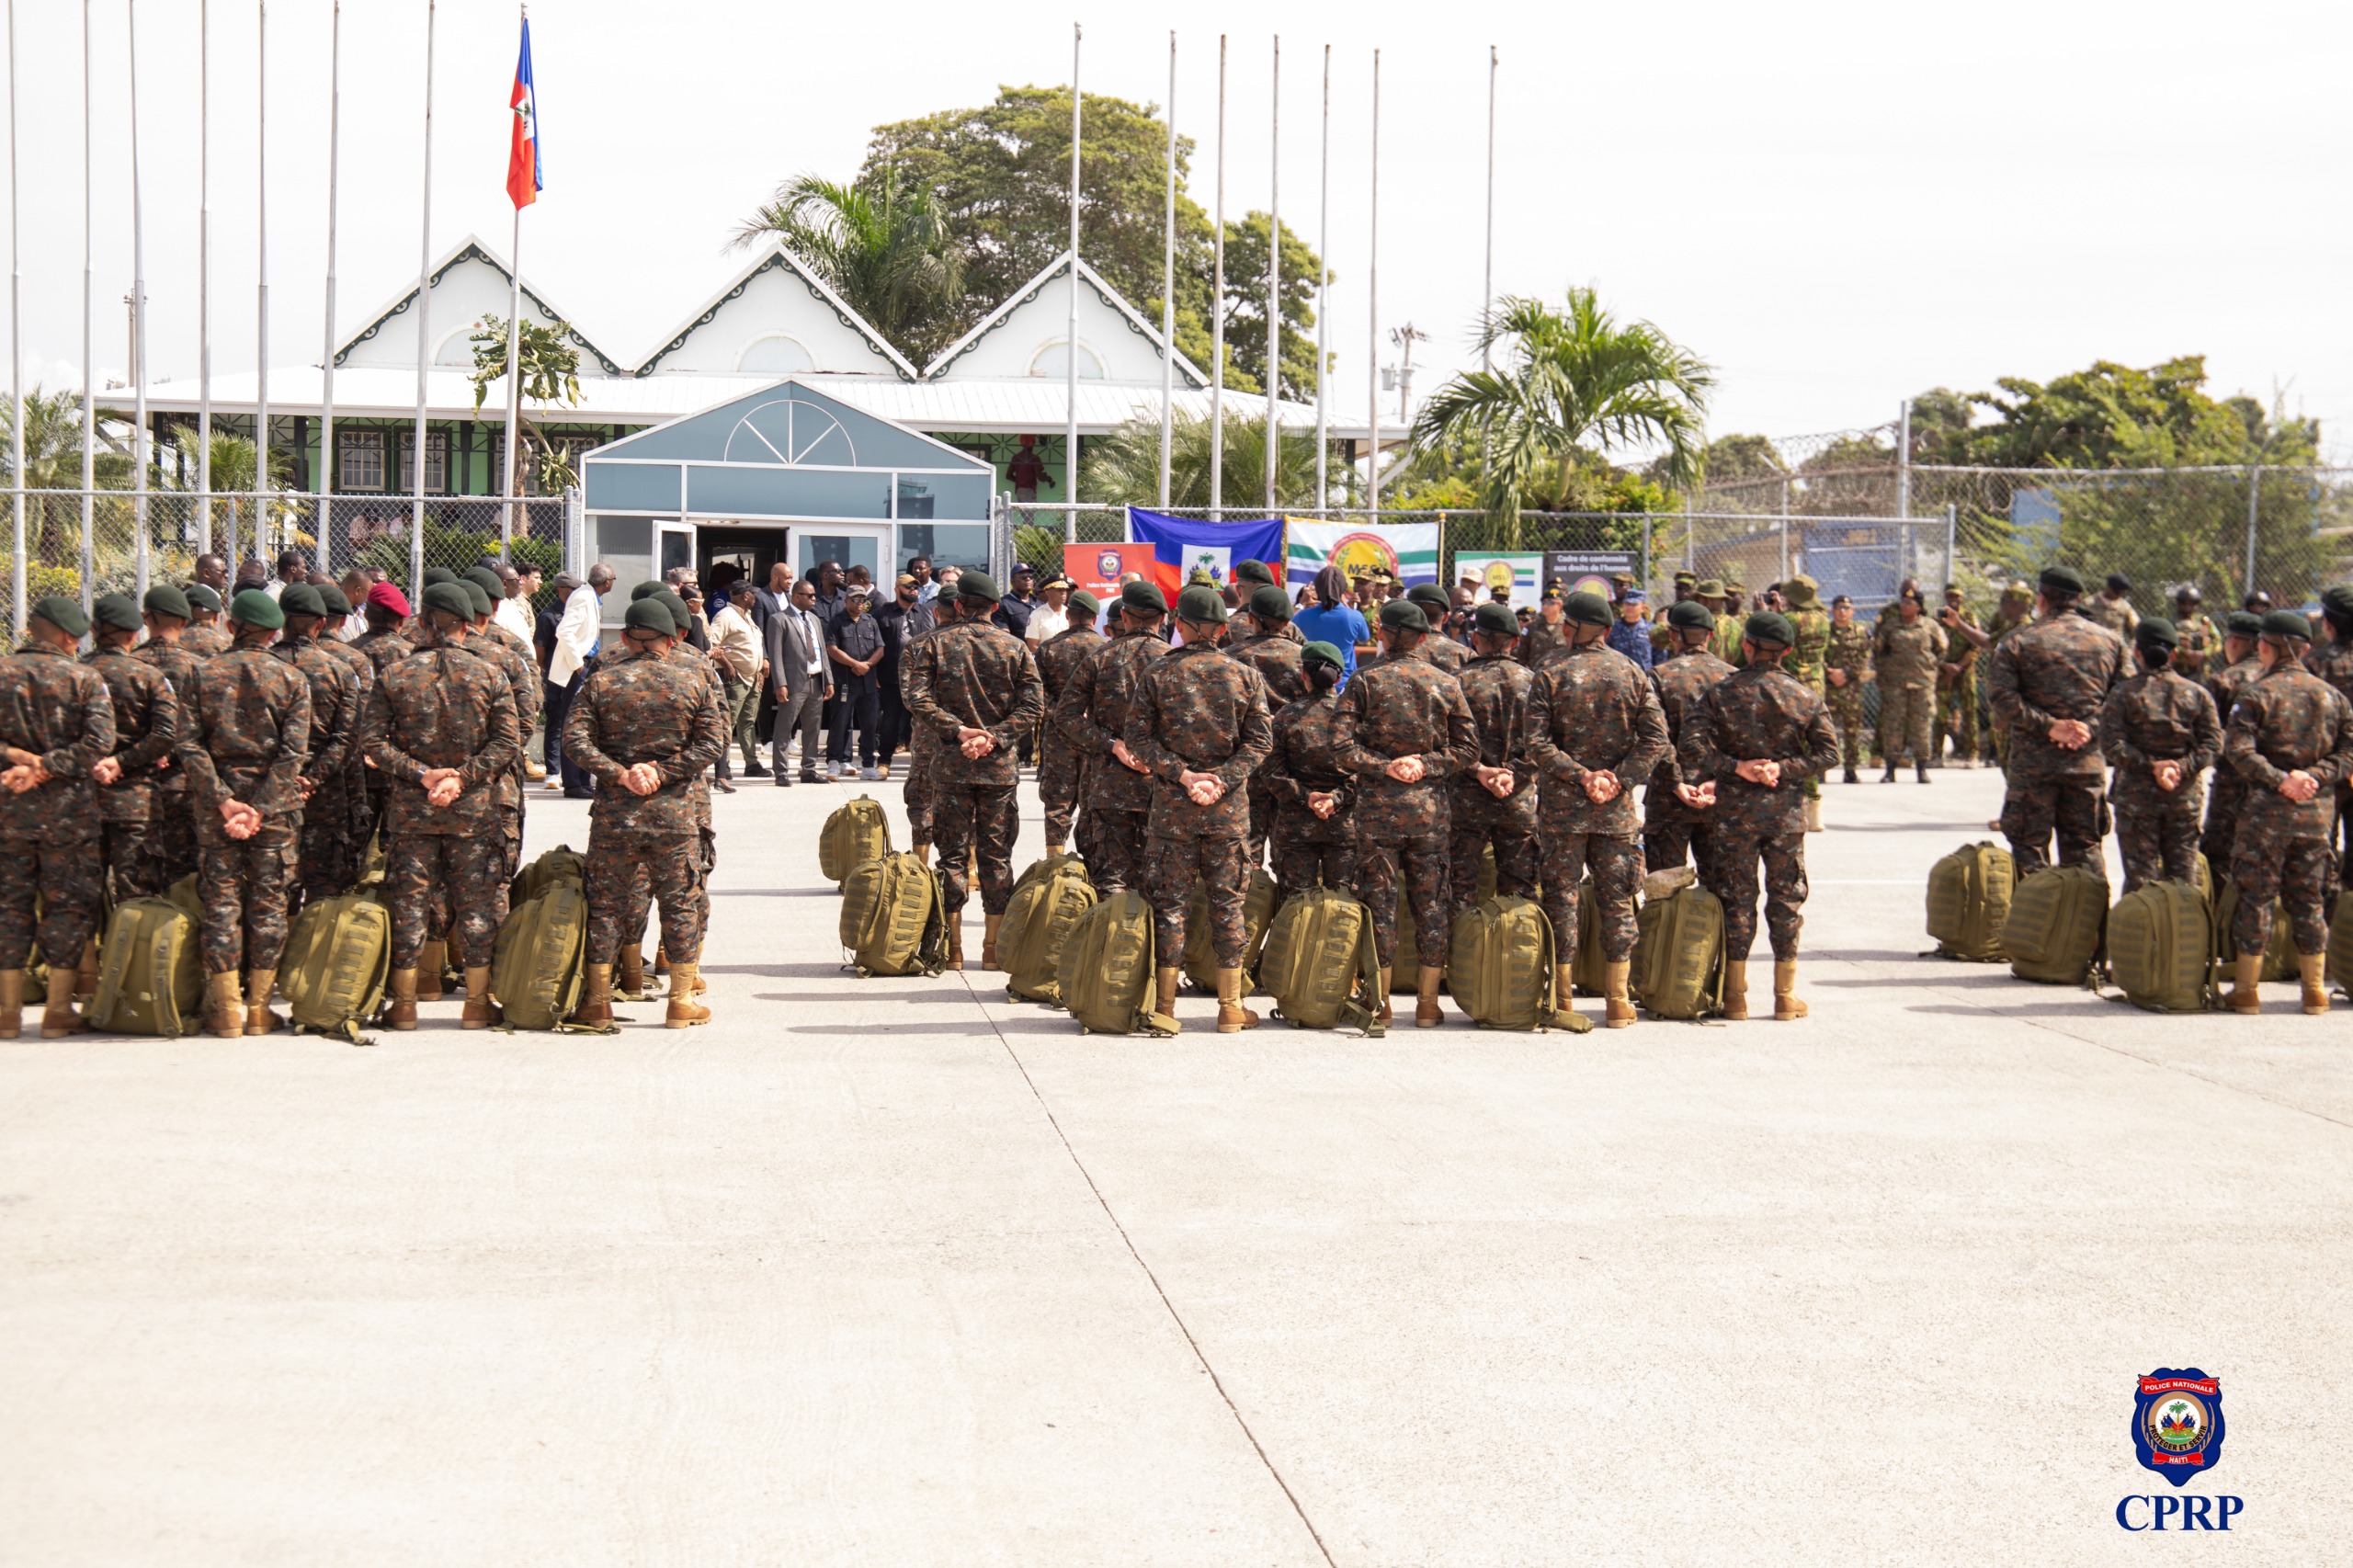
{"x":523,"y":172}
{"x":1181,"y":544}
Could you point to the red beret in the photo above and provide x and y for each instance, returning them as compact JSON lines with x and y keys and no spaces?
{"x":390,"y":597}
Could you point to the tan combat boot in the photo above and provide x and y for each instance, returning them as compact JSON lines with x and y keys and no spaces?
{"x":1813,"y":814}
{"x":400,"y":1004}
{"x":596,"y":1009}
{"x":431,"y":960}
{"x":1618,"y":1008}
{"x":481,"y":1011}
{"x":1736,"y":993}
{"x":988,"y":939}
{"x":1786,"y":1004}
{"x":1565,"y":986}
{"x":224,"y":1007}
{"x":2312,"y":969}
{"x":86,"y":978}
{"x":956,"y":940}
{"x":259,"y":1019}
{"x":1232,"y":1016}
{"x":1164,"y":987}
{"x":1428,"y":1013}
{"x":1386,"y":1016}
{"x":12,"y":1003}
{"x":2247,"y":973}
{"x":58,"y":1017}
{"x":661,"y":959}
{"x":685,"y":1011}
{"x":631,"y":981}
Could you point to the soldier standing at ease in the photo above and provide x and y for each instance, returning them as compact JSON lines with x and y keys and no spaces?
{"x":922,"y":764}
{"x":247,"y":732}
{"x":1103,"y":692}
{"x":2048,"y":682}
{"x":646,"y":726}
{"x":329,"y":860}
{"x":2333,"y":662}
{"x":1677,"y":809}
{"x":1200,"y":727}
{"x":1403,"y":730}
{"x":2238,"y":669}
{"x":1732,"y":621}
{"x":977,"y":691}
{"x":1908,"y":649}
{"x":1315,"y":835}
{"x":2159,"y":731}
{"x":205,"y":634}
{"x":1754,"y":735}
{"x":1437,"y":647}
{"x":1495,"y":801}
{"x":1546,"y":636}
{"x":358,"y":821}
{"x":1275,"y":652}
{"x":57,"y":725}
{"x":146,"y":728}
{"x":1846,"y":665}
{"x":2200,"y":639}
{"x":1956,"y":683}
{"x":1060,"y":774}
{"x":1595,"y":730}
{"x":171,"y":829}
{"x":2291,"y":740}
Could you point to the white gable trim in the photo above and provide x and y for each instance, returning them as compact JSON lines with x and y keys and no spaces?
{"x":470,"y":248}
{"x":782,"y":258}
{"x":1186,"y":370}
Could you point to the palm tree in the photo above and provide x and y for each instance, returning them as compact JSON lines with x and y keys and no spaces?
{"x":884,"y":249}
{"x":53,"y":461}
{"x":1568,"y":379}
{"x":1124,"y":466}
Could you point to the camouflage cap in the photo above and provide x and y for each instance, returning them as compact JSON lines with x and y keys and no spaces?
{"x":165,"y":599}
{"x":116,"y":610}
{"x":253,"y":607}
{"x":2019,"y":588}
{"x":1709,"y":588}
{"x":1685,"y":579}
{"x":1203,"y":603}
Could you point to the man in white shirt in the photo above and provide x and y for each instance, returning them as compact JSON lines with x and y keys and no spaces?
{"x":735,"y":647}
{"x":1050,"y":618}
{"x":576,"y":637}
{"x":514,"y":611}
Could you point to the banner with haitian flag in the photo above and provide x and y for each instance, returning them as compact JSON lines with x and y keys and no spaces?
{"x":1181,"y":545}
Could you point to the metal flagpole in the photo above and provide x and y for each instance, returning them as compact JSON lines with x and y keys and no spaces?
{"x":1372,"y":315}
{"x":261,"y":307}
{"x":1070,"y":386}
{"x":1168,"y":288}
{"x":1217,"y":311}
{"x":15,"y":350}
{"x":1322,"y":276}
{"x":204,"y":277}
{"x":424,"y":324}
{"x":1274,"y":274}
{"x":326,"y":357}
{"x":515,"y":340}
{"x":89,"y":354}
{"x":137,"y":315}
{"x":1487,"y":290}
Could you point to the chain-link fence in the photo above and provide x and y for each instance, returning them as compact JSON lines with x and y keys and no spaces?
{"x":86,"y":543}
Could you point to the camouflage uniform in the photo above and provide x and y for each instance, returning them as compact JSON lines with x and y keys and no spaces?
{"x":2060,"y":669}
{"x":1275,"y":656}
{"x":381,"y":650}
{"x":500,"y":648}
{"x":59,"y":710}
{"x":1957,"y":695}
{"x":1725,"y":645}
{"x":2333,"y":662}
{"x":330,"y":862}
{"x":1103,"y":692}
{"x":1308,"y":848}
{"x":922,"y":749}
{"x":1404,"y":708}
{"x":1673,"y":832}
{"x":146,"y":727}
{"x":1998,"y":741}
{"x":1200,"y":712}
{"x":2153,"y":716}
{"x":1850,"y":651}
{"x":2116,"y":615}
{"x":1059,"y":775}
{"x":207,"y":642}
{"x":636,"y":709}
{"x":973,"y":674}
{"x":1496,"y":687}
{"x":2285,"y":719}
{"x":2228,"y":791}
{"x":359,"y":820}
{"x":170,"y":826}
{"x":1545,"y":641}
{"x":1592,"y":710}
{"x":246,"y":734}
{"x":2200,"y":640}
{"x":1758,"y":714}
{"x":1907,"y":656}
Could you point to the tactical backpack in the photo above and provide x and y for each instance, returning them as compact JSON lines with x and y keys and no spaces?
{"x":2279,"y":952}
{"x":891,"y":921}
{"x":1589,"y":966}
{"x":1500,"y":968}
{"x":541,"y":964}
{"x":338,"y":955}
{"x":1048,"y":903}
{"x":1405,"y":961}
{"x":1678,"y":968}
{"x":2161,"y":948}
{"x":854,"y":834}
{"x":1968,"y":900}
{"x":2052,"y":933}
{"x":151,"y":977}
{"x":1106,"y":971}
{"x":561,"y":864}
{"x":1200,"y":953}
{"x":1319,"y":959}
{"x":2340,"y":940}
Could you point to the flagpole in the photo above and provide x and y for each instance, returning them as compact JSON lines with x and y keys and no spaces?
{"x":16,"y":349}
{"x":1274,"y":272}
{"x":1217,"y":314}
{"x":138,"y":315}
{"x":1070,"y":390}
{"x":204,"y":277}
{"x":1322,"y":280}
{"x":1372,"y":315}
{"x":423,"y":325}
{"x":514,"y":332}
{"x":327,"y":356}
{"x":1168,"y":288}
{"x":1487,"y":293}
{"x":90,"y":352}
{"x":261,"y":307}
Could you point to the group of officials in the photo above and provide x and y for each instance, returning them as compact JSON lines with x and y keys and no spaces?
{"x":248,"y":746}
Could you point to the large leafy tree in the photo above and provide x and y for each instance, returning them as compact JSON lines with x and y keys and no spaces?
{"x":1125,"y":464}
{"x":882,"y":243}
{"x":53,"y":461}
{"x":2111,"y":415}
{"x":1245,"y":319}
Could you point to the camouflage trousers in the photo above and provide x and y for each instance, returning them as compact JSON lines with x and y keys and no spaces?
{"x":1216,"y":864}
{"x":63,"y":874}
{"x":1956,"y":717}
{"x":1311,"y":849}
{"x":1475,"y":826}
{"x":243,"y":886}
{"x":1428,"y":882}
{"x":983,"y":817}
{"x":2158,"y":840}
{"x":126,"y":860}
{"x":462,"y":876}
{"x":2075,"y":806}
{"x":919,"y":794}
{"x":2293,"y":873}
{"x":330,"y":861}
{"x":1904,"y":716}
{"x":1262,"y":825}
{"x":623,"y":875}
{"x":1617,"y":867}
{"x":1733,"y":879}
{"x":2223,"y":798}
{"x":1846,"y":712}
{"x":1112,"y":842}
{"x":1673,"y":834}
{"x":1060,"y":780}
{"x":171,"y":840}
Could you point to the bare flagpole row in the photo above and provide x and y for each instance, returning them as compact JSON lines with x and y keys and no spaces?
{"x":1168,"y":287}
{"x":326,"y":553}
{"x":138,"y":319}
{"x":1274,"y":274}
{"x":1070,"y":386}
{"x":423,"y":325}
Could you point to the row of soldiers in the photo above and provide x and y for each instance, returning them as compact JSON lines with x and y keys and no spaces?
{"x":248,"y":746}
{"x":1182,"y":765}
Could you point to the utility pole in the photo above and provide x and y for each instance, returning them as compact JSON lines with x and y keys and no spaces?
{"x":1402,"y":377}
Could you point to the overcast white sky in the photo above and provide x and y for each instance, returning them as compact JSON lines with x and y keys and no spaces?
{"x":1837,"y":203}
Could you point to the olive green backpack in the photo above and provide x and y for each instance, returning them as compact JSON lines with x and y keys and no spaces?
{"x":541,"y":964}
{"x":1500,"y":970}
{"x":891,"y":921}
{"x":1679,"y":964}
{"x":2340,"y":941}
{"x":1048,"y":903}
{"x":151,"y":978}
{"x":561,"y":864}
{"x":2052,"y":932}
{"x":854,"y":834}
{"x":1107,"y":973}
{"x":1590,"y":965}
{"x":2279,"y":952}
{"x":338,"y":952}
{"x":1200,"y":953}
{"x":1319,"y":961}
{"x":1968,"y":900}
{"x":2161,"y":948}
{"x":1402,"y":975}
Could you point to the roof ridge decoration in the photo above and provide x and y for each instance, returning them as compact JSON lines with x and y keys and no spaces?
{"x":470,"y":248}
{"x":794,"y":387}
{"x":781,"y":256}
{"x":1037,"y":286}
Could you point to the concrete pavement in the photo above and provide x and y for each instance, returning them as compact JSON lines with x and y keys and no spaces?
{"x":895,"y":1272}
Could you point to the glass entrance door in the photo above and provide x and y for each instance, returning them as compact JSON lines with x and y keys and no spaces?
{"x":845,"y":544}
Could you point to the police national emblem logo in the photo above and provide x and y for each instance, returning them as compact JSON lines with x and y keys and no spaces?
{"x":2177,"y":1422}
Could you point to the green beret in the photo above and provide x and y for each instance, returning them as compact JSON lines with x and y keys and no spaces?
{"x":300,"y":598}
{"x":1709,"y":588}
{"x":1201,"y":603}
{"x":254,"y":608}
{"x":201,"y":598}
{"x":449,"y":599}
{"x":1403,"y":614}
{"x":475,"y":596}
{"x":490,"y":581}
{"x":438,"y":574}
{"x":1083,"y":603}
{"x":976,"y":587}
{"x":2278,"y":623}
{"x":2062,"y":580}
{"x":1770,"y":629}
{"x":116,"y":610}
{"x":2337,"y":600}
{"x":681,"y":617}
{"x":650,"y":614}
{"x":165,"y":599}
{"x":2156,"y":631}
{"x":1270,"y":603}
{"x":1430,"y":597}
{"x":1323,"y":654}
{"x":331,"y":599}
{"x":1253,"y":572}
{"x":2243,"y":624}
{"x":1496,"y":620}
{"x":1690,"y":615}
{"x":1586,"y":609}
{"x":63,"y":613}
{"x":1144,"y":598}
{"x":651,"y":585}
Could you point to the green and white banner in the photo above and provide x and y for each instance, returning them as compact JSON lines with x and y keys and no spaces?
{"x":1408,"y":551}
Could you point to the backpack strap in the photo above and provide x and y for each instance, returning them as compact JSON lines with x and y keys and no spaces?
{"x":1367,"y":968}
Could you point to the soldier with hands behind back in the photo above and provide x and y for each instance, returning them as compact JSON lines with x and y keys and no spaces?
{"x":57,"y":726}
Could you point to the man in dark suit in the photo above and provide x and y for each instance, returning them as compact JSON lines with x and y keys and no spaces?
{"x":902,"y":620}
{"x":795,"y":639}
{"x":766,"y":603}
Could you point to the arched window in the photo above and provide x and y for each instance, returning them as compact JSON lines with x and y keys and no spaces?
{"x":457,"y":350}
{"x":1053,"y":362}
{"x":775,"y":355}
